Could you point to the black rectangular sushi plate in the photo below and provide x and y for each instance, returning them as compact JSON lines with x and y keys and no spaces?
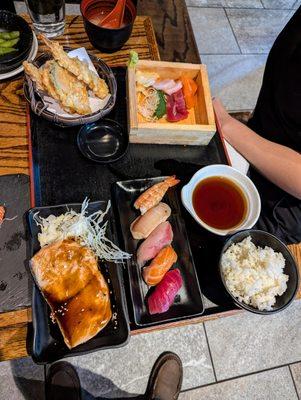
{"x":188,"y":302}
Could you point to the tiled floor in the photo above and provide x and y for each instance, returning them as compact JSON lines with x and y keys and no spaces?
{"x":234,"y":38}
{"x":246,"y":357}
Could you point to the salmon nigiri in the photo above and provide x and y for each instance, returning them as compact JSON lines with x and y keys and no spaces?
{"x":143,"y":226}
{"x":155,"y":272}
{"x":153,"y":195}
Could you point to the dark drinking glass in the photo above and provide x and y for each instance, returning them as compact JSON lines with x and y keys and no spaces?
{"x":48,"y":16}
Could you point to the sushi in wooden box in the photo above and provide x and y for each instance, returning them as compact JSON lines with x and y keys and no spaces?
{"x":197,"y":129}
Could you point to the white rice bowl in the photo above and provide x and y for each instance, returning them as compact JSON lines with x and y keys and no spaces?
{"x":254,"y":275}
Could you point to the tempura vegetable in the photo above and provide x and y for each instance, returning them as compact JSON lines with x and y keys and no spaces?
{"x":72,"y":93}
{"x":78,"y":68}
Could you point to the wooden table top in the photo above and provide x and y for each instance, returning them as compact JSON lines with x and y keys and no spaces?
{"x":175,"y":41}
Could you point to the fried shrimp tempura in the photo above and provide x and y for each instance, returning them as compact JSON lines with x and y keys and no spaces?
{"x":34,"y":74}
{"x":61,"y":85}
{"x":78,"y":68}
{"x":71,"y":92}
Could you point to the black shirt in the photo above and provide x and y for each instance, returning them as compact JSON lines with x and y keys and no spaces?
{"x":277,"y":117}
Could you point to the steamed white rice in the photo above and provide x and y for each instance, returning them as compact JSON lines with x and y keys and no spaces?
{"x":254,"y":275}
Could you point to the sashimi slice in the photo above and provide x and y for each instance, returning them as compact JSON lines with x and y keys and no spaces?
{"x":164,"y":294}
{"x":175,"y":107}
{"x":174,"y":89}
{"x":180,"y":102}
{"x":154,"y":273}
{"x":164,"y":85}
{"x":159,"y":238}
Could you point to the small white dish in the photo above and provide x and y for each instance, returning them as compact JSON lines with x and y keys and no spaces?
{"x":31,"y":57}
{"x":245,"y":183}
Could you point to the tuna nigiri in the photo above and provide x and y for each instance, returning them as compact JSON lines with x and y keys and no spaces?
{"x":164,"y":294}
{"x":154,"y":273}
{"x":143,"y":226}
{"x":154,"y":194}
{"x":159,"y":238}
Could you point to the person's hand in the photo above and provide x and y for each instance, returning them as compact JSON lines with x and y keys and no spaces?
{"x":223,"y":117}
{"x":220,"y":111}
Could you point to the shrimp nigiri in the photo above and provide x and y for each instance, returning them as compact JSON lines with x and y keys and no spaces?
{"x":155,"y":272}
{"x":153,"y":195}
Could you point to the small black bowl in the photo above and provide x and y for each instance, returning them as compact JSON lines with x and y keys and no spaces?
{"x":12,"y":22}
{"x":262,"y":239}
{"x":106,"y":39}
{"x":103,"y":142}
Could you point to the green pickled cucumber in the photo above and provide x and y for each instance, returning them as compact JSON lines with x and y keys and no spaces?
{"x":9,"y":35}
{"x":9,"y":43}
{"x":6,"y":50}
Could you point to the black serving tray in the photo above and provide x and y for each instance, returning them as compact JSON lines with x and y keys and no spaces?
{"x":188,"y":302}
{"x":60,"y":174}
{"x":48,"y":343}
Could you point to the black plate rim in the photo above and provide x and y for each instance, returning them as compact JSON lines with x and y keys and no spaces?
{"x":168,"y":320}
{"x":21,"y":56}
{"x":123,"y":305}
{"x":247,"y":307}
{"x":112,"y":159}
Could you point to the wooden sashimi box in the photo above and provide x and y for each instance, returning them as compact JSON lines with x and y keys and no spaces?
{"x":197,"y":129}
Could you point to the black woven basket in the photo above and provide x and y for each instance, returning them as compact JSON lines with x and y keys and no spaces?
{"x":40,"y":108}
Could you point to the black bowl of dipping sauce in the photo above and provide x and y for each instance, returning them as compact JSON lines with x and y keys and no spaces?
{"x":12,"y":22}
{"x":263,"y":239}
{"x":106,"y":39}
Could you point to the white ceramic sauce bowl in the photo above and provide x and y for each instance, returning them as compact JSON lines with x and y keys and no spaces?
{"x":245,"y":183}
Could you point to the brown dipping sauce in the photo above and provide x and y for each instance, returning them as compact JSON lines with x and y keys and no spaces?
{"x":219,"y":202}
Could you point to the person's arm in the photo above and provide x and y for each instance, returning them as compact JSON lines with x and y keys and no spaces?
{"x":278,"y":163}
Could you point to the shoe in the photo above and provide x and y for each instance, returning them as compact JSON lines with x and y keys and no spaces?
{"x":166,"y":378}
{"x":62,"y":382}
